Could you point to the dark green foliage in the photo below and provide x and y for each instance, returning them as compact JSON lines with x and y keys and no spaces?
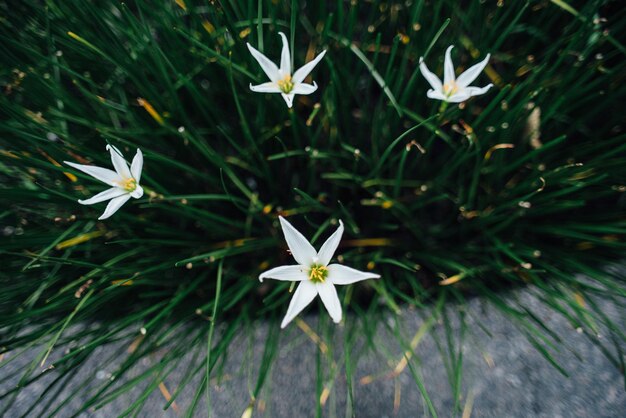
{"x":524,"y":185}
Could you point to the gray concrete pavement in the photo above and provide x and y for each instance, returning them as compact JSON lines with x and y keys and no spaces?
{"x":503,"y":374}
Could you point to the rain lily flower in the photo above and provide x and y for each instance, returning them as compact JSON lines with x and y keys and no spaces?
{"x":124,"y":182}
{"x":315,"y":275}
{"x":454,"y":90}
{"x":281,"y":79}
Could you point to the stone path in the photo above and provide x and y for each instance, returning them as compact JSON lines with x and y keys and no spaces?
{"x":503,"y":375}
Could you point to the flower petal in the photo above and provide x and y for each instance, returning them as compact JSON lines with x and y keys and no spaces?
{"x":303,"y":295}
{"x":477,"y":91}
{"x":468,"y":92}
{"x":119,"y":163}
{"x":105,"y":175}
{"x":329,"y":297}
{"x":469,"y":75}
{"x":301,"y":250}
{"x":437,"y":95}
{"x":269,"y":87}
{"x":286,"y":273}
{"x":300,"y":75}
{"x":432,"y":79}
{"x":448,"y":67}
{"x":330,"y":246}
{"x":288,"y":99}
{"x":285,"y":57}
{"x":458,"y":97}
{"x":102,"y":196}
{"x":340,"y":274}
{"x":269,"y":68}
{"x":137,"y":193}
{"x":137,"y":165}
{"x":304,"y":88}
{"x":114,"y":205}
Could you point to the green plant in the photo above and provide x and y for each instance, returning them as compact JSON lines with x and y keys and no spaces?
{"x":521,"y":186}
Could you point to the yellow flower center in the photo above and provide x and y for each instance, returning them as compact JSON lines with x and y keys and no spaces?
{"x":318,"y":274}
{"x":285,"y":85}
{"x":450,"y":88}
{"x":128,"y":184}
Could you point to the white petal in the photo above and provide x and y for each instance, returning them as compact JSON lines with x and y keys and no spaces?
{"x":477,"y":91}
{"x":432,"y":79}
{"x":105,"y":175}
{"x":340,"y":274}
{"x":304,"y":88}
{"x":286,"y":273}
{"x":269,"y":68}
{"x":330,"y":246}
{"x":301,"y":249}
{"x":119,"y":163}
{"x":269,"y":87}
{"x":471,"y":73}
{"x":437,"y":95}
{"x":288,"y":99}
{"x":285,"y":58}
{"x":329,"y":297}
{"x":102,"y":196}
{"x":137,"y":165}
{"x":458,"y":97}
{"x":300,"y":75}
{"x":448,"y":67}
{"x":303,"y":295}
{"x":137,"y":193}
{"x":468,"y":92}
{"x":114,"y":205}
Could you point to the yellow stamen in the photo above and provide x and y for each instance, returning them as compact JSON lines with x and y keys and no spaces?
{"x":128,"y":184}
{"x":318,"y":274}
{"x":285,"y":85}
{"x":450,"y":88}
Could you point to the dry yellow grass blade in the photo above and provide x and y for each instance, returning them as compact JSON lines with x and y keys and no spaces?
{"x":312,"y":335}
{"x":452,"y":279}
{"x":70,"y":176}
{"x":166,"y":394}
{"x":146,"y":105}
{"x":79,"y":239}
{"x":495,"y":147}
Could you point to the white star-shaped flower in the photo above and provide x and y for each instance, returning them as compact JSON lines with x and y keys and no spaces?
{"x":281,"y":79}
{"x":454,"y":90}
{"x":315,"y":275}
{"x":124,"y":182}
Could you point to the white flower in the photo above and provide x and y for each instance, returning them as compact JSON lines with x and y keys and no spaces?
{"x":317,"y":277}
{"x":124,"y":181}
{"x":454,"y":90}
{"x":281,"y":79}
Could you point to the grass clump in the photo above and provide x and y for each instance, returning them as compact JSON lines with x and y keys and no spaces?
{"x":521,"y":186}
